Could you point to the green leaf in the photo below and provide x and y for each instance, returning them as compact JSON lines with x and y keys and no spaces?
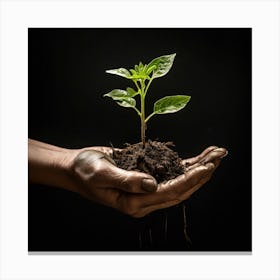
{"x":133,"y":72}
{"x":171,"y":104}
{"x":150,"y":69}
{"x":120,"y":72}
{"x":116,"y":94}
{"x":127,"y":102}
{"x":162,"y":65}
{"x":122,"y":97}
{"x":131,"y":92}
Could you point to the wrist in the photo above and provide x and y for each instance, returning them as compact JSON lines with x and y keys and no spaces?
{"x":62,"y":163}
{"x":51,"y":165}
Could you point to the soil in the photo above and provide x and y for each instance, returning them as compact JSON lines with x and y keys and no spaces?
{"x":163,"y":163}
{"x":156,"y":159}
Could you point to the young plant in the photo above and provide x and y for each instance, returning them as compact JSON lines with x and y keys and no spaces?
{"x":142,"y":76}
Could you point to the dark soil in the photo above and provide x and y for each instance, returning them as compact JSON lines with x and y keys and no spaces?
{"x":159,"y":160}
{"x":156,"y":159}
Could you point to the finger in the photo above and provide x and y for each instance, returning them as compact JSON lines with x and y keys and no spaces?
{"x":185,"y":182}
{"x":196,"y":159}
{"x":179,"y":197}
{"x":216,"y":154}
{"x":190,"y":167}
{"x":174,"y":202}
{"x":172,"y":190}
{"x":216,"y":162}
{"x":131,"y":181}
{"x":196,"y":187}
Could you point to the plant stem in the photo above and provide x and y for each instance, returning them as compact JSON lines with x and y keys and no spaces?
{"x":150,"y":116}
{"x":143,"y":124}
{"x":141,"y":89}
{"x":135,"y":82}
{"x":148,"y":85}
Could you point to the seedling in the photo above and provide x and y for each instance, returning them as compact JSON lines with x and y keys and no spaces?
{"x":142,"y":76}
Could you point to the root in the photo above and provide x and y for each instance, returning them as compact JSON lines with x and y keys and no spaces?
{"x":187,"y":238}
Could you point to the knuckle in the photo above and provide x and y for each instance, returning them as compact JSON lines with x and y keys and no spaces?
{"x":85,"y":170}
{"x":124,"y":184}
{"x":81,"y":162}
{"x":131,"y":183}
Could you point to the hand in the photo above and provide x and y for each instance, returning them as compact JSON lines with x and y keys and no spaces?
{"x":90,"y":172}
{"x":199,"y":170}
{"x":134,"y":193}
{"x":99,"y":179}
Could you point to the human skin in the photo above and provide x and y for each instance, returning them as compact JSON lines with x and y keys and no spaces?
{"x":91,"y":173}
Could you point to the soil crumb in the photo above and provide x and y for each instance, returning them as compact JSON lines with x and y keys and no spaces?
{"x":156,"y":159}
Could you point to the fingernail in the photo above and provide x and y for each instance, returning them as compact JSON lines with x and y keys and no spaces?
{"x":226,"y":153}
{"x":222,"y":150}
{"x":149,"y":185}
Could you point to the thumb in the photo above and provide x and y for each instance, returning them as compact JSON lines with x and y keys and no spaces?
{"x":95,"y":166}
{"x":132,"y":181}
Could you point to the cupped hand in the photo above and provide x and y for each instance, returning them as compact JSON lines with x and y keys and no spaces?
{"x":135,"y":193}
{"x":199,"y":170}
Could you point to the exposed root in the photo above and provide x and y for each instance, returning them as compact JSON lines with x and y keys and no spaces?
{"x":187,"y":238}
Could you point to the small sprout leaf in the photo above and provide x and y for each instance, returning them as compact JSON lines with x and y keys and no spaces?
{"x":120,"y":72}
{"x":133,"y":72}
{"x":150,"y":69}
{"x":162,"y":65}
{"x":171,"y":104}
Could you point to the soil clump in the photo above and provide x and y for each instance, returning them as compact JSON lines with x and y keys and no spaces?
{"x":156,"y":159}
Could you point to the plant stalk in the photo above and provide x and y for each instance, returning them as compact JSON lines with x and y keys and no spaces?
{"x":143,"y":124}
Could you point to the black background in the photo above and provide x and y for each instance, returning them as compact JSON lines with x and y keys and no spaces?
{"x":66,"y":81}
